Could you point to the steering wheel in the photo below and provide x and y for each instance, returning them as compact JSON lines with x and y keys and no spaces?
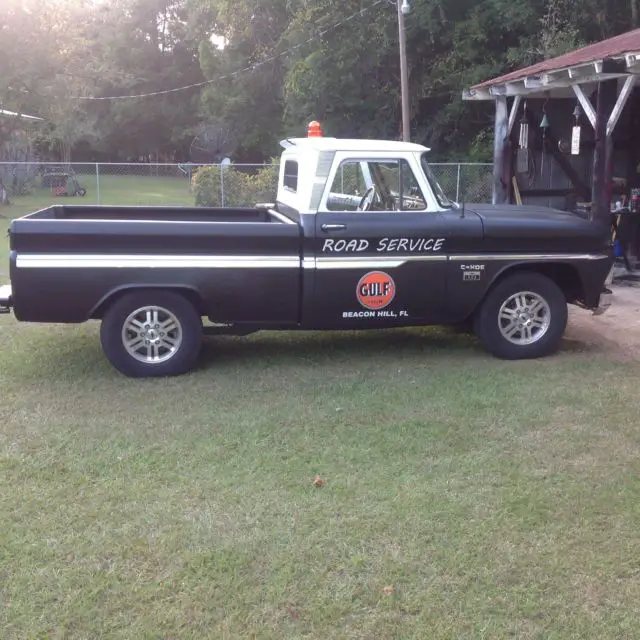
{"x":367,"y":199}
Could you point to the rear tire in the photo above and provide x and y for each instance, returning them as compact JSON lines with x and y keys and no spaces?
{"x":523,"y":316}
{"x":151,"y":333}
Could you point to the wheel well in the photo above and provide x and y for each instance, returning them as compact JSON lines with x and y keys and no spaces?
{"x":566,"y":276}
{"x":191,"y":295}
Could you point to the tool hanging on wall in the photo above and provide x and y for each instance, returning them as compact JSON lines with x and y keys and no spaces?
{"x":575,"y":132}
{"x":522,"y":157}
{"x":544,"y":125}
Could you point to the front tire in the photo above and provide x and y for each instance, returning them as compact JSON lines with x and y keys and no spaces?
{"x":523,"y":316}
{"x":151,"y":333}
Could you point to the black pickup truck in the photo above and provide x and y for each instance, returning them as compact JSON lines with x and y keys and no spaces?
{"x":360,"y":236}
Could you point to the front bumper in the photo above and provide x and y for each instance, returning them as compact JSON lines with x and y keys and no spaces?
{"x":5,"y":298}
{"x":604,"y":303}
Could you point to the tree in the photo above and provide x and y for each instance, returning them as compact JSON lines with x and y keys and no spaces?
{"x":247,"y":74}
{"x":259,"y":70}
{"x":347,"y":76}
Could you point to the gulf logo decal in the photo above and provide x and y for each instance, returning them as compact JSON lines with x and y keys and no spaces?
{"x":376,"y":290}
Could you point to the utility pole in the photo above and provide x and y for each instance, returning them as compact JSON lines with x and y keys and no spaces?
{"x":403,"y":10}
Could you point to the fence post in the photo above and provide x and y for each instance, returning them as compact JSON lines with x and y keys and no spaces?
{"x":98,"y":183}
{"x":222,"y":184}
{"x":458,"y":185}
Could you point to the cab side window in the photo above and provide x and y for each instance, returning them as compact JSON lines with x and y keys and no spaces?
{"x":291,"y":175}
{"x":349,"y":186}
{"x":378,"y":185}
{"x":412,"y":196}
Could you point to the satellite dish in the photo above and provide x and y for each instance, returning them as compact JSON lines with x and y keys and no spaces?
{"x":226,"y":162}
{"x":213,"y":142}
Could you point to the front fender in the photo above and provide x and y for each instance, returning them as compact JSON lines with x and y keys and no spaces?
{"x":581,"y":278}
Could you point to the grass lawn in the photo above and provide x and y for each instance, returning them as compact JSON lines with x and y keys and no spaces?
{"x":465,"y":497}
{"x":123,"y":190}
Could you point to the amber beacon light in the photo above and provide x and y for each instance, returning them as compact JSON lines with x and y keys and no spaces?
{"x":314,"y":130}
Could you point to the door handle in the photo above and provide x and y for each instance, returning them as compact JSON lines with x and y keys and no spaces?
{"x":333,"y":227}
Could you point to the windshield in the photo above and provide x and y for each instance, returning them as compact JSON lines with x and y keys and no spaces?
{"x":441,"y":197}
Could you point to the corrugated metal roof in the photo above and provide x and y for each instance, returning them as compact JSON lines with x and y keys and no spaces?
{"x":615,"y":47}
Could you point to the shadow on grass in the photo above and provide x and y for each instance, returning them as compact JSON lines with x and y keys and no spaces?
{"x":75,"y":354}
{"x":319,"y":347}
{"x":368,"y":348}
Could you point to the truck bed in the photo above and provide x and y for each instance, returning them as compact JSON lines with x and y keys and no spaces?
{"x":164,"y":213}
{"x":242,"y":265}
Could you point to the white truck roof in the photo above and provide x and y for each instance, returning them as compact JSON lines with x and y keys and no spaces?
{"x":312,"y":161}
{"x":317,"y":143}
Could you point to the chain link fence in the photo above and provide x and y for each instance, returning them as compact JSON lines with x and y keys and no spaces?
{"x":38,"y":185}
{"x":471,"y":182}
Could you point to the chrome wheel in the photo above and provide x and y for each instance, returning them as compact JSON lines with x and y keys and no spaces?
{"x":524,"y":318}
{"x":152,"y":335}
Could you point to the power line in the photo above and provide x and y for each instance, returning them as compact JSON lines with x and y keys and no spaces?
{"x":251,"y":67}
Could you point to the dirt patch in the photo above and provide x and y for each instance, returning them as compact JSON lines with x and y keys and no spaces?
{"x":618,"y":330}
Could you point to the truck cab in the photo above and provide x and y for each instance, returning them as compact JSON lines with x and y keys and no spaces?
{"x":368,"y":206}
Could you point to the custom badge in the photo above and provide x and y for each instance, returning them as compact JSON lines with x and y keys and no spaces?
{"x":472,"y":272}
{"x":376,"y":290}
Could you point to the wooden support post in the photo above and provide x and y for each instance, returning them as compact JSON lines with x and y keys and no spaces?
{"x":627,"y":90}
{"x":585,"y":103}
{"x":513,"y":114}
{"x":602,"y":153}
{"x":501,"y":163}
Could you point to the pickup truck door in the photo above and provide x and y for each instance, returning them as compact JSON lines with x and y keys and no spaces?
{"x":380,"y":255}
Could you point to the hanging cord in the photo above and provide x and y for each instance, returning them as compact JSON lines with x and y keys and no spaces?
{"x":531,"y":168}
{"x":544,"y":124}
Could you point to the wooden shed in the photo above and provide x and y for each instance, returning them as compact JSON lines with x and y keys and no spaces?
{"x":567,"y":130}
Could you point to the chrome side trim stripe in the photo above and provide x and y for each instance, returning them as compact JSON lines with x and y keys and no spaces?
{"x":389,"y":262}
{"x":529,"y":256}
{"x":127,"y":261}
{"x":373,"y":262}
{"x":46,"y":261}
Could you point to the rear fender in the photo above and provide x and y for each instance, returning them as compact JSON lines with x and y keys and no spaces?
{"x":107,"y":300}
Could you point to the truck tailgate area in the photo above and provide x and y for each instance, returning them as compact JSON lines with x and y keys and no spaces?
{"x":5,"y":298}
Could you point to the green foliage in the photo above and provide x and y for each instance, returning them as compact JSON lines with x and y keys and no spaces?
{"x":264,"y":182}
{"x":283,"y":63}
{"x":240,"y":188}
{"x":208,"y":187}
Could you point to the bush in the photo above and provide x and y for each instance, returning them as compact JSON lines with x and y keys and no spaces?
{"x":207,"y":183}
{"x":241,"y":189}
{"x":264,"y":184}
